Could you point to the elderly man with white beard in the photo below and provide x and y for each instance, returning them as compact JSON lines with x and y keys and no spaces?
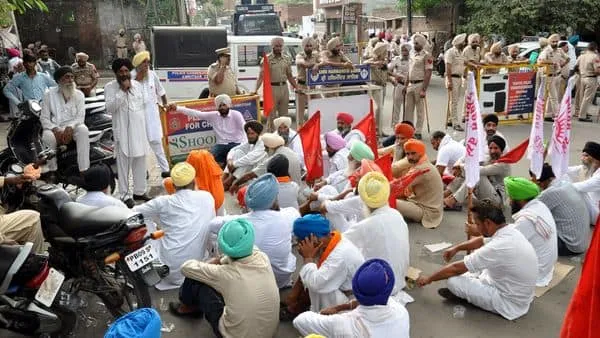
{"x":62,"y":118}
{"x":290,"y":136}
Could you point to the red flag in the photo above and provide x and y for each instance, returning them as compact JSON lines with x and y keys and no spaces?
{"x":385,"y":163}
{"x":310,"y":134}
{"x":369,"y":128}
{"x":516,"y":154}
{"x":399,"y":185}
{"x":268,"y":103}
{"x":582,"y":319}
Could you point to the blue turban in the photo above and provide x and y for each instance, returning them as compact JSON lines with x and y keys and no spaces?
{"x":373,"y":282}
{"x":142,"y":323}
{"x":262,"y":193}
{"x":311,"y":224}
{"x":236,"y":238}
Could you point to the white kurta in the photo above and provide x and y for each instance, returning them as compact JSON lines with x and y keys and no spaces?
{"x":152,"y":91}
{"x":384,"y":234}
{"x":185,"y":217}
{"x":546,"y":249}
{"x":246,"y":156}
{"x":346,"y":212}
{"x":590,"y":188}
{"x":288,"y":195}
{"x":339,"y":160}
{"x":273,"y":236}
{"x":338,"y":180}
{"x":353,"y":135}
{"x":99,"y":199}
{"x":128,"y":114}
{"x":326,"y":284}
{"x":295,"y":143}
{"x":377,"y":321}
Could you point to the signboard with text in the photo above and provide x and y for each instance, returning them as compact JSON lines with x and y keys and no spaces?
{"x":509,"y":94}
{"x":335,"y":75}
{"x":521,"y":93}
{"x":182,"y":133}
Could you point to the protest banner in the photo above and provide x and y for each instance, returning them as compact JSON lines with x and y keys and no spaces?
{"x":337,"y":75}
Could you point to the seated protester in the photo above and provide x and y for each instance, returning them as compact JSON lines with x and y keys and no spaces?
{"x":97,"y":185}
{"x":383,"y":233}
{"x":337,"y":152}
{"x":272,"y":226}
{"x":491,"y":181}
{"x":184,"y":216}
{"x":402,"y":133}
{"x":372,"y":314}
{"x":330,"y":261}
{"x":292,"y":139}
{"x":568,"y":210}
{"x":391,"y":140}
{"x":490,"y":124}
{"x":421,"y":201}
{"x":449,"y":151}
{"x":586,"y":178}
{"x":243,"y":158}
{"x":274,"y":144}
{"x":288,"y":190}
{"x":236,"y":293}
{"x":499,"y":275}
{"x":344,"y":128}
{"x":535,"y":222}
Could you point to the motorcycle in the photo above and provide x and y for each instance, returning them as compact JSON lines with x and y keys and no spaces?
{"x":100,"y":250}
{"x":22,"y":275}
{"x":96,"y":117}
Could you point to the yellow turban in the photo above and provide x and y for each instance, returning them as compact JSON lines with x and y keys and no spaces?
{"x":332,"y":43}
{"x":140,"y":57}
{"x":183,"y":174}
{"x":374,"y":189}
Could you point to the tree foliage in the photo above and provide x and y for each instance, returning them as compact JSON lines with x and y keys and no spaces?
{"x":422,"y":6}
{"x":23,"y":5}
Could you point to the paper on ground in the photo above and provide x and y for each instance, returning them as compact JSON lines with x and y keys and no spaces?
{"x":438,"y":246}
{"x":560,"y":272}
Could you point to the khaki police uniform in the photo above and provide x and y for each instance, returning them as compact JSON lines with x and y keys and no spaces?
{"x":564,"y":72}
{"x":121,"y":44}
{"x":589,"y":65}
{"x":398,"y":66}
{"x":229,"y":85}
{"x":493,"y":59}
{"x":472,"y":55}
{"x":280,"y":68}
{"x":457,"y":60}
{"x":340,"y":58}
{"x":84,"y":76}
{"x":553,"y":79}
{"x":379,"y":77}
{"x":301,"y":99}
{"x":419,"y":63}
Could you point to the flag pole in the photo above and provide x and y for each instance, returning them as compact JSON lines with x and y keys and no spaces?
{"x":469,"y":213}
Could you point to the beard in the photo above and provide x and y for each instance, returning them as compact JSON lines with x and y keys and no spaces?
{"x":252,"y":141}
{"x":68,"y":90}
{"x":514,"y":207}
{"x":285,"y":136}
{"x":411,"y":161}
{"x":223,"y":111}
{"x":123,"y":78}
{"x":308,"y":52}
{"x":474,"y":46}
{"x":335,"y":52}
{"x":494,"y":156}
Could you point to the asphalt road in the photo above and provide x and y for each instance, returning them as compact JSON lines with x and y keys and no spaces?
{"x":430,"y":315}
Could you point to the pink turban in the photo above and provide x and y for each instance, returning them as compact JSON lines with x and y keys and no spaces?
{"x":334,"y":140}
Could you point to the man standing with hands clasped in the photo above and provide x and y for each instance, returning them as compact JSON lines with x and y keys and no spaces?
{"x":419,"y":74}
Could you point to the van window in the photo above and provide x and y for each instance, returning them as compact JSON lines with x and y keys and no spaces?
{"x":259,"y":24}
{"x":186,"y":47}
{"x":250,"y":55}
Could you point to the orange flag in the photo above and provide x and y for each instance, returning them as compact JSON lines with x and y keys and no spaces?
{"x":369,"y":128}
{"x":310,"y":134}
{"x":268,"y":103}
{"x":516,"y":154}
{"x":582,"y":319}
{"x":385,"y":163}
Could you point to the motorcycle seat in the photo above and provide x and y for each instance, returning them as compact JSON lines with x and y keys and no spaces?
{"x":80,"y":220}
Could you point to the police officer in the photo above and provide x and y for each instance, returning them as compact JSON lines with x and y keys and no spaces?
{"x":221,"y":78}
{"x":472,"y":53}
{"x":399,"y":71}
{"x":121,"y":44}
{"x":455,"y":70}
{"x":86,"y":75}
{"x":551,"y":57}
{"x":419,"y":74}
{"x":379,"y":77}
{"x":588,"y":64}
{"x":280,"y":67}
{"x":334,"y":57}
{"x":307,"y":60}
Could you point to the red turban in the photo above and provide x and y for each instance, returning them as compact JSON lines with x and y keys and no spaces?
{"x":405,"y":130}
{"x":416,"y":146}
{"x":366,"y":166}
{"x":345,"y":117}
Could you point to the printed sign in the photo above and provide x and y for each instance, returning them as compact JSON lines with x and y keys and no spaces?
{"x":182,"y":134}
{"x":187,"y":75}
{"x":335,"y":75}
{"x":521,"y":89}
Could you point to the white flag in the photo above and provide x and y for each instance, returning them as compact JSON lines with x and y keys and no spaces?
{"x":561,"y":135}
{"x":474,"y":134}
{"x":535,"y":150}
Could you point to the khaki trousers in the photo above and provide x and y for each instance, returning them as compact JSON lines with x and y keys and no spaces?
{"x":378,"y":102}
{"x":414,"y":99}
{"x":23,"y":226}
{"x":409,"y":210}
{"x":398,"y":104}
{"x":483,"y":189}
{"x":552,"y":105}
{"x":301,"y":106}
{"x":454,"y":97}
{"x":586,"y":93}
{"x":281,"y":98}
{"x":122,"y":52}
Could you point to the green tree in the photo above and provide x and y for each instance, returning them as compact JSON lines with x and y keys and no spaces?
{"x":20,"y":6}
{"x":422,"y":6}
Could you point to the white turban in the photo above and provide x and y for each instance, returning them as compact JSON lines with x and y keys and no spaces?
{"x":223,"y":99}
{"x":331,"y":44}
{"x":272,"y":140}
{"x":81,"y":56}
{"x":554,"y":37}
{"x":275,"y":39}
{"x":380,"y":49}
{"x":459,"y":39}
{"x":285,"y":120}
{"x":496,"y":47}
{"x":306,"y":41}
{"x":543,"y":42}
{"x":473,"y":37}
{"x":406,"y":45}
{"x":420,"y":39}
{"x":13,"y":63}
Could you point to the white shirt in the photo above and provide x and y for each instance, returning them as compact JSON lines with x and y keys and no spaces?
{"x":339,"y":160}
{"x":252,"y":154}
{"x":228,"y":129}
{"x":128,"y":114}
{"x":508,"y":263}
{"x":546,"y":249}
{"x":338,"y":180}
{"x":58,"y":113}
{"x":353,"y":135}
{"x":185,"y":217}
{"x":345,"y":212}
{"x":449,"y":153}
{"x":153,"y":91}
{"x":288,"y":195}
{"x":589,"y":187}
{"x":377,"y":321}
{"x":273,"y":236}
{"x":384,"y":234}
{"x":99,"y":199}
{"x":295,"y":143}
{"x":326,"y":284}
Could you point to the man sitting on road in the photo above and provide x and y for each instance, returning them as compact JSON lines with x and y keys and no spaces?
{"x":586,"y":178}
{"x":499,"y":276}
{"x":292,"y":139}
{"x":243,"y":158}
{"x":490,"y":124}
{"x":97,"y":181}
{"x":344,"y":128}
{"x":449,"y":151}
{"x":335,"y":146}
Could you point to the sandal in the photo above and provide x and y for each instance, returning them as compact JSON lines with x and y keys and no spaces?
{"x":285,"y":315}
{"x":174,"y":308}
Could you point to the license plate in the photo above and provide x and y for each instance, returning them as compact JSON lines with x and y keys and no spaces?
{"x":50,"y":287}
{"x":141,"y":257}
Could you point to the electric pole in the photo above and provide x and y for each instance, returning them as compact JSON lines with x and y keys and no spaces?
{"x":409,"y":16}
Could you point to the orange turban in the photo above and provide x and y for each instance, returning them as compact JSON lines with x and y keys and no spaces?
{"x":416,"y":146}
{"x":405,"y":130}
{"x":208,"y":174}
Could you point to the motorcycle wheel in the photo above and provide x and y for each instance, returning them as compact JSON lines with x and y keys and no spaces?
{"x":129,"y":292}
{"x":68,"y":320}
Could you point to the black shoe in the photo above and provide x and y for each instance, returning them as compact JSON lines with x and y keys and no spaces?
{"x":458,"y":128}
{"x":548,"y":119}
{"x":449,"y":124}
{"x":50,"y":177}
{"x":587,"y":119}
{"x":130,"y":203}
{"x":143,"y":197}
{"x":174,"y":308}
{"x":418,"y":136}
{"x":165,"y":174}
{"x":446,"y":293}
